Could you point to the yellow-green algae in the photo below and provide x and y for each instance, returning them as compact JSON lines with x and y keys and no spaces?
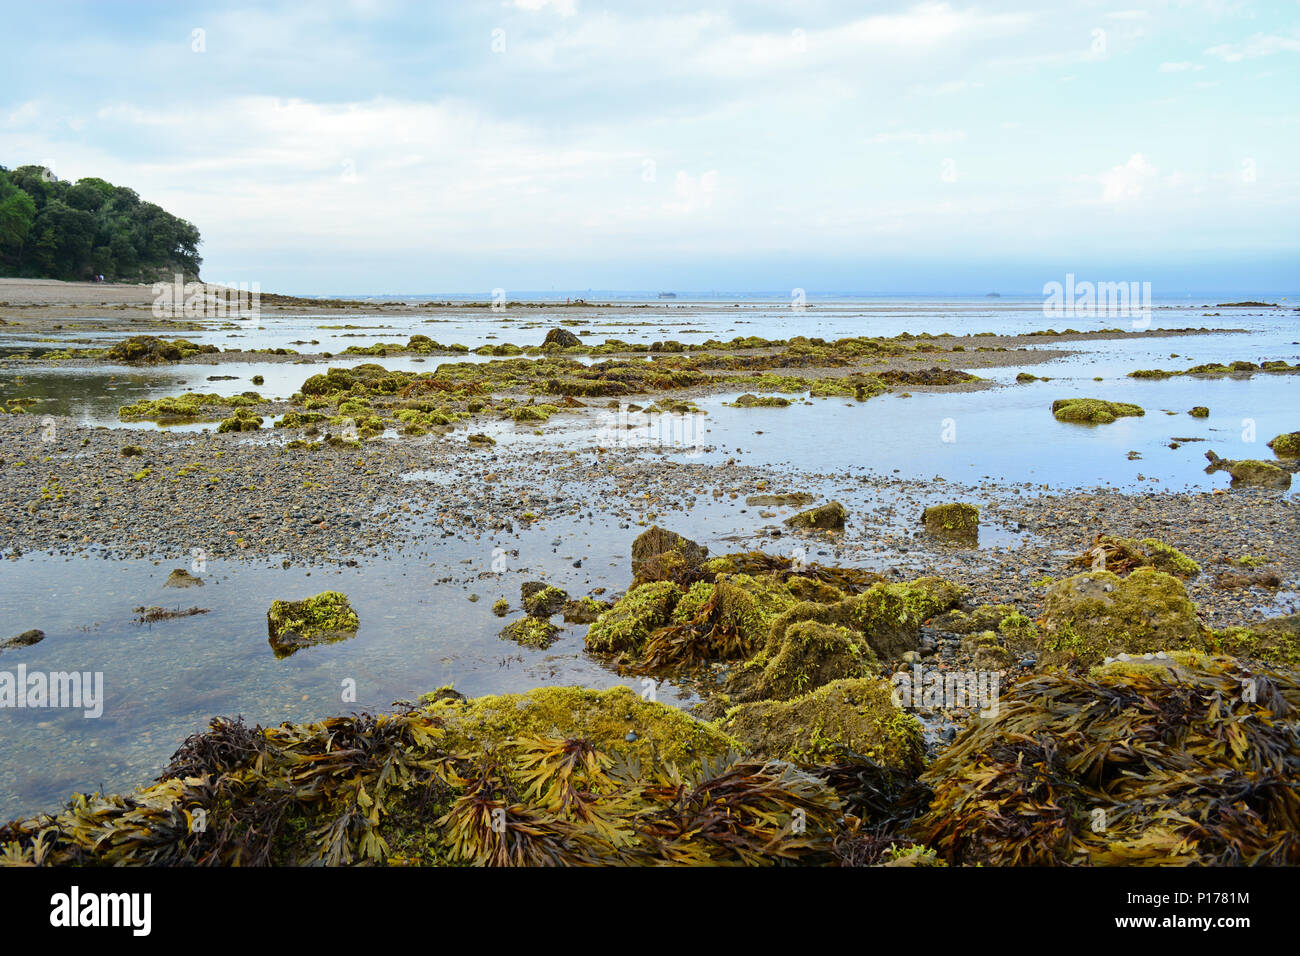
{"x":1098,"y":614}
{"x":854,"y":715}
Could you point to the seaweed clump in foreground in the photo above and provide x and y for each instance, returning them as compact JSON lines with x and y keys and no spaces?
{"x":1171,"y":758}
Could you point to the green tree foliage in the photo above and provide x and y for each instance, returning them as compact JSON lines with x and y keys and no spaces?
{"x":53,"y":228}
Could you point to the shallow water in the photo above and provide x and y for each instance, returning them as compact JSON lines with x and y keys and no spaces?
{"x":419,"y":630}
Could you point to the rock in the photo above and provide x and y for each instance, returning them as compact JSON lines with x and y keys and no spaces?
{"x":1287,"y":445}
{"x":25,"y":639}
{"x":888,"y":616}
{"x":561,"y":338}
{"x":793,"y":499}
{"x":180,"y":578}
{"x":1092,"y":411}
{"x":857,"y":714}
{"x":542,"y":600}
{"x":656,"y":541}
{"x":767,"y":401}
{"x":321,"y":619}
{"x":824,"y":517}
{"x":531,"y":631}
{"x":801,"y":658}
{"x":1275,"y":641}
{"x":1097,"y":614}
{"x":664,"y":735}
{"x":584,"y":611}
{"x":958,"y":520}
{"x":1250,"y":472}
{"x":1199,"y":411}
{"x":626,"y":625}
{"x":500,"y":607}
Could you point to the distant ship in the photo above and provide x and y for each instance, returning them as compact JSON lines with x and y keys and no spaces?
{"x":667,"y":295}
{"x":994,"y":295}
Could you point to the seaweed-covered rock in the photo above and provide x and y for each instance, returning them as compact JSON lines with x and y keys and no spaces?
{"x":1250,"y":472}
{"x":673,"y":552}
{"x":150,"y":350}
{"x":1093,"y":411}
{"x":180,"y":578}
{"x":584,"y":610}
{"x":1199,"y":411}
{"x":542,"y":600}
{"x":25,"y":639}
{"x":321,"y":619}
{"x":749,"y":400}
{"x":1161,"y":761}
{"x":531,"y":631}
{"x":957,"y":520}
{"x":887,"y":615}
{"x":1097,"y":614}
{"x":983,"y":617}
{"x":825,"y":517}
{"x":1286,"y":445}
{"x":562,"y":338}
{"x":809,"y":655}
{"x":857,"y":715}
{"x":615,"y":720}
{"x":626,"y":626}
{"x":1122,"y":555}
{"x":1274,"y":641}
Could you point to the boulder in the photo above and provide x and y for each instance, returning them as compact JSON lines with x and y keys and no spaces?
{"x":562,"y":338}
{"x":321,"y":619}
{"x":822,"y":518}
{"x":957,"y":520}
{"x":1097,"y":614}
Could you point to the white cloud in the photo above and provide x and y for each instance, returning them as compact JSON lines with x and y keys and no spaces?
{"x":1180,"y":67}
{"x":1129,"y":181}
{"x":1259,"y":45}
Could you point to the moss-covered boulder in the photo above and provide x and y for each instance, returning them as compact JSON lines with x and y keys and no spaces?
{"x":1275,"y":641}
{"x":956,"y":521}
{"x":749,"y":400}
{"x":531,"y":631}
{"x":1097,"y":614}
{"x":542,"y":600}
{"x":887,"y":615}
{"x":1121,"y":555}
{"x":626,"y":626}
{"x":1157,"y":762}
{"x":615,"y":720}
{"x":660,"y":555}
{"x":321,"y":619}
{"x":857,"y":715}
{"x":806,"y":655}
{"x":1250,"y":472}
{"x":180,"y":578}
{"x":827,"y":517}
{"x":561,"y":338}
{"x":1093,"y":411}
{"x":584,"y":610}
{"x":1287,"y":445}
{"x":983,"y":617}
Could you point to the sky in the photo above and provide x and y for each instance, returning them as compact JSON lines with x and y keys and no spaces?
{"x":372,"y":147}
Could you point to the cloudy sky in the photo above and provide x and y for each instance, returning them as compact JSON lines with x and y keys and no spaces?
{"x":374,"y":146}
